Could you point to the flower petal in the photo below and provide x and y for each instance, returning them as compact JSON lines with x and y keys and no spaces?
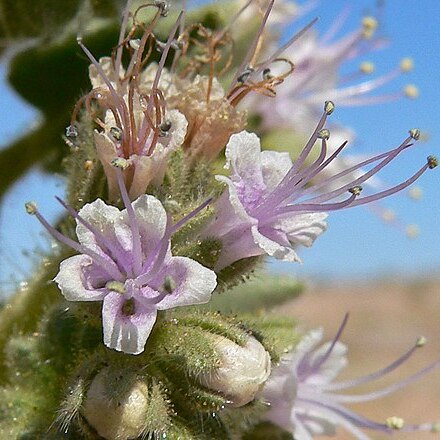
{"x":243,"y":156}
{"x":271,"y":243}
{"x":79,"y":279}
{"x":302,"y":229}
{"x":194,"y":283}
{"x":127,"y":333}
{"x":275,"y":166}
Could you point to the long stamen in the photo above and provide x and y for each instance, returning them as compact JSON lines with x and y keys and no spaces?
{"x":120,"y":104}
{"x":321,"y":360}
{"x":388,"y":157}
{"x":121,"y":38}
{"x":253,"y":46}
{"x":191,"y":215}
{"x":376,"y":375}
{"x":108,"y":265}
{"x":394,"y":189}
{"x":390,"y":389}
{"x":134,"y":225}
{"x":317,"y":207}
{"x":100,"y":238}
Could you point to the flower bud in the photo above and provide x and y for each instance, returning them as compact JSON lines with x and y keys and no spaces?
{"x":116,"y":415}
{"x":242,"y":371}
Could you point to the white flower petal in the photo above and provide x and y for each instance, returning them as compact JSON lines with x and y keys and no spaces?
{"x":274,"y":248}
{"x":126,"y":333}
{"x":302,"y":229}
{"x":275,"y":166}
{"x":152,"y":220}
{"x":194,"y":283}
{"x":81,"y":280}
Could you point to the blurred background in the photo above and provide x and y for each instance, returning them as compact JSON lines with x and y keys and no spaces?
{"x":390,"y":283}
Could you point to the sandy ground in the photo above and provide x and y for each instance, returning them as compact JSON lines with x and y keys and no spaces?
{"x":385,"y":319}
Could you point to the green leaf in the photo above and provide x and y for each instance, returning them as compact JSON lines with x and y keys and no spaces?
{"x":262,"y":293}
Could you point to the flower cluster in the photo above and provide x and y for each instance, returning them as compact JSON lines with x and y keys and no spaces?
{"x":163,"y":114}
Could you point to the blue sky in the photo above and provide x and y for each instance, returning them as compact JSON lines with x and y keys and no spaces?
{"x":356,"y":244}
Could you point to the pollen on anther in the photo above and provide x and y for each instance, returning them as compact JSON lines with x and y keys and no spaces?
{"x":120,"y":162}
{"x":421,"y":341}
{"x":406,"y":65}
{"x":411,"y":91}
{"x":415,"y":133}
{"x":31,"y":208}
{"x":329,"y":107}
{"x":367,"y":67}
{"x":432,"y":162}
{"x":395,"y":422}
{"x":116,"y":132}
{"x":324,"y":134}
{"x":356,"y":190}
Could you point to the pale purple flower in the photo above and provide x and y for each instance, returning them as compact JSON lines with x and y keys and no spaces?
{"x":125,"y":261}
{"x":270,"y":205}
{"x":317,"y":77}
{"x":305,"y":400}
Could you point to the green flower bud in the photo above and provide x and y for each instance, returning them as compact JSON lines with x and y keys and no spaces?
{"x":116,"y":415}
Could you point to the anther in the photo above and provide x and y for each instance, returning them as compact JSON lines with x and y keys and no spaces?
{"x":435,"y":427}
{"x":415,"y":133}
{"x":395,"y":422}
{"x":412,"y":231}
{"x":367,"y":67}
{"x":411,"y":91}
{"x":116,"y":286}
{"x":135,"y":43}
{"x":163,"y":6}
{"x":415,"y":193}
{"x":71,"y":131}
{"x":116,"y":132}
{"x":31,"y":208}
{"x":421,"y":341}
{"x":169,"y":285}
{"x":356,"y":190}
{"x":369,"y":26}
{"x":324,"y":134}
{"x":267,"y":75}
{"x":244,"y":76}
{"x":406,"y":65}
{"x":128,"y":308}
{"x":120,"y":162}
{"x":432,"y":162}
{"x":329,"y":107}
{"x":165,"y":128}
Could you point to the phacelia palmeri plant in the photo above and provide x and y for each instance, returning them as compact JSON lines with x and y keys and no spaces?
{"x":140,"y":335}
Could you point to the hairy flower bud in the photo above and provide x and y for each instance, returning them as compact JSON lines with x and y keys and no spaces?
{"x":243,"y":370}
{"x":116,"y":415}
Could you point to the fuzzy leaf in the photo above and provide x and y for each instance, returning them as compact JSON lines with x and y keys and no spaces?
{"x":262,"y":293}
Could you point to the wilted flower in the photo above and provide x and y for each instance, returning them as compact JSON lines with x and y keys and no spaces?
{"x":125,"y":261}
{"x":269,"y":206}
{"x":304,"y":398}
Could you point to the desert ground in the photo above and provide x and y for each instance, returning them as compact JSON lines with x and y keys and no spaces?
{"x":386,"y":317}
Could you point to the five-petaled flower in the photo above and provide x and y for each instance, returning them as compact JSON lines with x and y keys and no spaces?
{"x":304,"y":398}
{"x":125,"y":261}
{"x":270,"y":205}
